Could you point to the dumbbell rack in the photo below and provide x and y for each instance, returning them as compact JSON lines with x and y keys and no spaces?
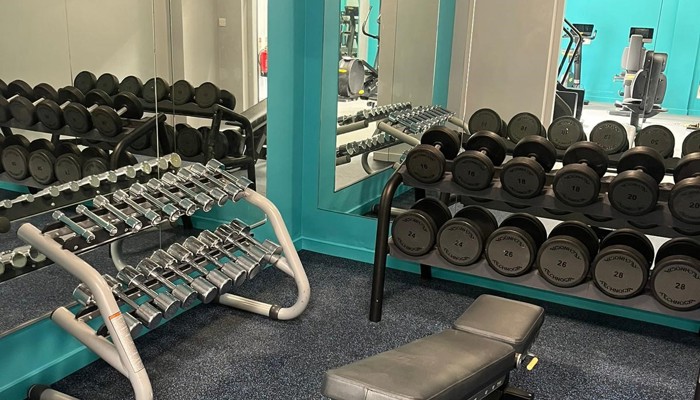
{"x":601,"y":214}
{"x":133,"y":130}
{"x":119,"y":350}
{"x":217,"y":114}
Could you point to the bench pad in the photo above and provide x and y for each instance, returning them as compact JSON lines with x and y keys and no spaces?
{"x":444,"y":366}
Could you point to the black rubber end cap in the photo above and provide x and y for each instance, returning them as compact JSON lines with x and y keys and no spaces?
{"x":35,"y":392}
{"x":4,"y":225}
{"x":274,"y":311}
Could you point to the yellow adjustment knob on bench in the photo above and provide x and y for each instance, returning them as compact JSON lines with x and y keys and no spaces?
{"x":531,"y":365}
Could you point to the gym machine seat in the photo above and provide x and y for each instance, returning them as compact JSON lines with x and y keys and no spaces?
{"x":471,"y":360}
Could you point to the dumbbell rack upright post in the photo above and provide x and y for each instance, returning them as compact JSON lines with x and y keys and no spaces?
{"x":121,"y":352}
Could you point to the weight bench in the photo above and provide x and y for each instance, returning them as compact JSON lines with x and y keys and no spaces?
{"x":470,"y":361}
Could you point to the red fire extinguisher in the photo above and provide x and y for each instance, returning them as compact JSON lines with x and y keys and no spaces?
{"x":262,"y":61}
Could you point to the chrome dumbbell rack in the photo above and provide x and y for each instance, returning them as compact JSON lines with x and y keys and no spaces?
{"x":119,"y":350}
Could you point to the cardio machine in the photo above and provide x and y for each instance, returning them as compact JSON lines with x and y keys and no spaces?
{"x":356,"y":77}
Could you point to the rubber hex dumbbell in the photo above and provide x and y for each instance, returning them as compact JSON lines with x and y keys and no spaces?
{"x":15,"y":89}
{"x":85,"y":81}
{"x":131,"y":84}
{"x":565,"y":131}
{"x":427,"y":161}
{"x":188,"y":141}
{"x":577,"y":183}
{"x":69,"y":162}
{"x":635,"y":189}
{"x":675,"y":281}
{"x":684,"y":200}
{"x":486,"y":119}
{"x":155,"y":90}
{"x":414,"y":232}
{"x":95,"y":161}
{"x":50,"y":112}
{"x":564,"y":259}
{"x":461,"y":240}
{"x":621,"y":268}
{"x":611,"y":136}
{"x":511,"y":250}
{"x":524,"y":175}
{"x":79,"y":116}
{"x":107,"y":83}
{"x":474,"y":168}
{"x":659,"y":138}
{"x":182,"y":92}
{"x":108,"y":120}
{"x":524,"y":124}
{"x":3,"y":88}
{"x":23,"y":110}
{"x":15,"y":157}
{"x":42,"y":161}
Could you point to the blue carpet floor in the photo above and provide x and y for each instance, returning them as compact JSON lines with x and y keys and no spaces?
{"x":213,"y":352}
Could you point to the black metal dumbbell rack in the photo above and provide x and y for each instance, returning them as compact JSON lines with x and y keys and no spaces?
{"x":66,"y":198}
{"x":61,"y":245}
{"x":218,"y":115}
{"x":601,"y":214}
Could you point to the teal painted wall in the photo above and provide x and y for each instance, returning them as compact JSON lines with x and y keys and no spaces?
{"x":676,"y":33}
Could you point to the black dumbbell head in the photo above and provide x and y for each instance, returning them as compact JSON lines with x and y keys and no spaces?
{"x":524,"y":176}
{"x":414,"y":232}
{"x":565,"y":131}
{"x":85,"y":81}
{"x":221,"y":144}
{"x":228,"y":100}
{"x":538,"y":147}
{"x":188,"y":141}
{"x":487,"y":119}
{"x":659,"y":138}
{"x":155,"y":90}
{"x":77,"y":116}
{"x":108,"y":83}
{"x":126,"y":158}
{"x":23,"y":109}
{"x":473,"y":169}
{"x":158,"y":145}
{"x":611,"y":136}
{"x":675,"y":281}
{"x":621,"y":268}
{"x":131,"y":84}
{"x":691,"y":143}
{"x":645,"y":159}
{"x":635,"y":189}
{"x":425,"y":162}
{"x":207,"y":94}
{"x":15,"y":157}
{"x":461,"y":240}
{"x":578,"y":182}
{"x":524,"y":124}
{"x":182,"y":92}
{"x":684,"y":200}
{"x":236,"y":142}
{"x":95,"y":161}
{"x":109,"y":122}
{"x":42,"y":159}
{"x":69,"y":162}
{"x":49,"y":112}
{"x":3,"y":88}
{"x":128,"y":100}
{"x":511,"y":249}
{"x":564,"y":258}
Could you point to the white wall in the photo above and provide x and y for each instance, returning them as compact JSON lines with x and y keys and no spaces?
{"x":508,"y":59}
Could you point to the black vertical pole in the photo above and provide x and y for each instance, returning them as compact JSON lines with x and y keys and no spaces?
{"x":381,"y":246}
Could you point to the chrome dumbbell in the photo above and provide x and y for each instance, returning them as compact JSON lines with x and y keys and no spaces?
{"x":251,"y":264}
{"x":92,"y":180}
{"x":77,"y":229}
{"x":240,"y":181}
{"x":145,"y":312}
{"x":30,"y":253}
{"x":121,"y":196}
{"x":186,"y":204}
{"x":133,"y":223}
{"x":170,"y":210}
{"x":182,"y":254}
{"x":56,"y":190}
{"x":25,"y":198}
{"x":236,"y":272}
{"x":207,"y":292}
{"x":182,"y":292}
{"x":217,"y":194}
{"x":202,"y":198}
{"x":162,"y":163}
{"x":83,"y":295}
{"x":12,"y":258}
{"x":113,"y":176}
{"x":231,"y":189}
{"x":99,"y":221}
{"x":166,"y":302}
